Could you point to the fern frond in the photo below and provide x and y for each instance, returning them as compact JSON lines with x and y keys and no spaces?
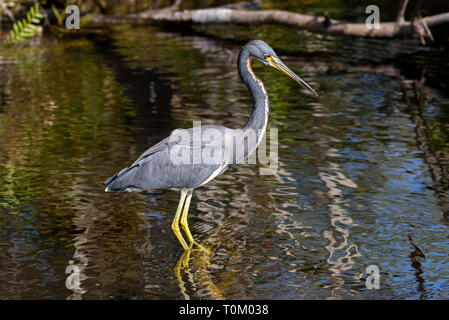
{"x":26,"y":28}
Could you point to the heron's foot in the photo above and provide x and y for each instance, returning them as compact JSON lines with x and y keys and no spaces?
{"x":201,"y":257}
{"x":200,"y":248}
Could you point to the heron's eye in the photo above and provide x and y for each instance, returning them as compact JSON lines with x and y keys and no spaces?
{"x":267,"y":56}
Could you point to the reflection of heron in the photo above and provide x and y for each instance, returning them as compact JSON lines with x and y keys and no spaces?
{"x":156,"y":168}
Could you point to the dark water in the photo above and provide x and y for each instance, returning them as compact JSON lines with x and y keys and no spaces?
{"x":362,"y":177}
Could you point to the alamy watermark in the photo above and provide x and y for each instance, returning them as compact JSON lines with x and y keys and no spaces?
{"x":73,"y":17}
{"x":215,"y":145}
{"x":373,"y":277}
{"x":373,"y":20}
{"x":72,"y":282}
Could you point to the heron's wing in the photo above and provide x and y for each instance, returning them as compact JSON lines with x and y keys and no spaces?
{"x":160,"y":168}
{"x":160,"y":146}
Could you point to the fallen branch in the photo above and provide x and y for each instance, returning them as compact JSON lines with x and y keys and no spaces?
{"x":296,"y":20}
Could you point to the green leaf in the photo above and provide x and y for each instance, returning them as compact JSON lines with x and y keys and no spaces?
{"x":84,"y":20}
{"x":11,"y":35}
{"x":29,"y":28}
{"x":57,"y":14}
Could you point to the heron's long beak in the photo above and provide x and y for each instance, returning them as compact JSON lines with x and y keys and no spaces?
{"x":278,"y":64}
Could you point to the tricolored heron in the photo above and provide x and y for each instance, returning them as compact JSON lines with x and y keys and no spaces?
{"x":155,"y":168}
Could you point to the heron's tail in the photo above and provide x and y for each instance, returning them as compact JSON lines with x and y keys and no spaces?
{"x":115,"y":187}
{"x":111,"y":188}
{"x":126,"y":180}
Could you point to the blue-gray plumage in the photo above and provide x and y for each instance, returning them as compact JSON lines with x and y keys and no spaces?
{"x":190,"y":158}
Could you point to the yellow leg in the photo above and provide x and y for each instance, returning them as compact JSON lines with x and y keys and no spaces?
{"x":184,"y":222}
{"x":175,"y":224}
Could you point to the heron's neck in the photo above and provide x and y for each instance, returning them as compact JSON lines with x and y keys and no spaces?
{"x":259,"y":116}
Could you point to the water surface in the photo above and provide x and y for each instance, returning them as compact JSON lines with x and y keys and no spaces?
{"x":362,"y":177}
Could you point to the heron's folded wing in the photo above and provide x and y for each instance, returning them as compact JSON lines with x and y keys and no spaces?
{"x":157,"y":167}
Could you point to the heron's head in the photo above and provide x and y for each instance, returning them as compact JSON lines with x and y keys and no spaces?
{"x":263,"y":52}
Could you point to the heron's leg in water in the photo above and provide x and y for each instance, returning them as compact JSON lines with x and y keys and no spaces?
{"x":175,"y":224}
{"x":185,"y":213}
{"x":183,"y":263}
{"x":185,"y":224}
